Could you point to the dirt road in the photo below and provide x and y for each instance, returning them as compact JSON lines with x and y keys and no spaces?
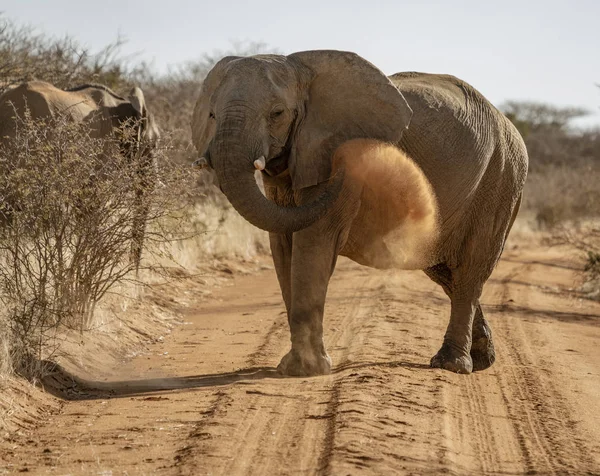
{"x":382,"y":411}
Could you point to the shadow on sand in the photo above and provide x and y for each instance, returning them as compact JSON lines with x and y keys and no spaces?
{"x":65,"y":385}
{"x":543,"y":263}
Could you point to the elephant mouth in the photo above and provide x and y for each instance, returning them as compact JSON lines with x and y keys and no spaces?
{"x":278,"y":164}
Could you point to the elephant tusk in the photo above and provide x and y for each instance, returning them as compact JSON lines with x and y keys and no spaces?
{"x":260,"y":163}
{"x":201,"y":163}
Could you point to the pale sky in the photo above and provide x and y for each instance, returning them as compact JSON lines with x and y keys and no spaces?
{"x":510,"y":49}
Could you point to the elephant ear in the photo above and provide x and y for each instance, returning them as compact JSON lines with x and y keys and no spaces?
{"x":347,"y":98}
{"x":137,"y":100}
{"x":138,"y":103}
{"x":203,"y":129}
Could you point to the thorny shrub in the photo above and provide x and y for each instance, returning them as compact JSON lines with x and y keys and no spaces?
{"x":71,"y":210}
{"x":590,"y":245}
{"x":70,"y":234}
{"x":560,"y":194}
{"x":586,"y":239}
{"x":592,"y":265}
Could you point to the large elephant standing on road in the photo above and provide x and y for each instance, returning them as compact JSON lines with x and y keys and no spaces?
{"x":105,"y":112}
{"x":296,"y":118}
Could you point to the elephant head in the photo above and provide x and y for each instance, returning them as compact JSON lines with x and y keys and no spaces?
{"x":136,"y":129}
{"x":279,"y":113}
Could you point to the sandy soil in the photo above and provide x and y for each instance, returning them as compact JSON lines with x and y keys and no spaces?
{"x":207,"y":400}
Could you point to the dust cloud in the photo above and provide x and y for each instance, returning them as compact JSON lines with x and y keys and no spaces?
{"x":398,"y":205}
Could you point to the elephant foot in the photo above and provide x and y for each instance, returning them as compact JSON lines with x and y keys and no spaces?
{"x":304,"y":364}
{"x":452,"y":359}
{"x":482,"y":348}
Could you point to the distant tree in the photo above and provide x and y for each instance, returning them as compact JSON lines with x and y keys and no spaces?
{"x":530,"y":116}
{"x":549,"y":137}
{"x":564,"y":162}
{"x":199,"y":68}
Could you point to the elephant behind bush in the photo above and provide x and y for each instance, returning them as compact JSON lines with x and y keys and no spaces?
{"x":105,"y":114}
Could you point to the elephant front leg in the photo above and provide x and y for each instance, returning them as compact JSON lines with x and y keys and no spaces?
{"x":308,"y":356}
{"x":313,"y":260}
{"x":314,"y":255}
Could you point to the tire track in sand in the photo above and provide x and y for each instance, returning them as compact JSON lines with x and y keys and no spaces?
{"x":541,"y":417}
{"x":265,"y":426}
{"x":515,"y":417}
{"x":382,"y":411}
{"x":379,"y":402}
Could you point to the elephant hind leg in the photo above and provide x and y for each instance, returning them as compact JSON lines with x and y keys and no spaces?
{"x":455,"y":353}
{"x":483,"y":353}
{"x":482,"y":347}
{"x":468,"y":342}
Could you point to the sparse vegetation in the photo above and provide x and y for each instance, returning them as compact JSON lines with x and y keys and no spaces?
{"x":592,"y":265}
{"x":585,"y":239}
{"x":68,"y":228}
{"x":564,"y":163}
{"x":66,"y":236}
{"x":562,"y":190}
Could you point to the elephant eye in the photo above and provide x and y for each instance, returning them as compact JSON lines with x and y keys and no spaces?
{"x":277,"y":112}
{"x":211,"y":115}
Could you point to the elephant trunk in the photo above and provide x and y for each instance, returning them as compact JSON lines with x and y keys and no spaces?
{"x":233,"y":160}
{"x":145,"y":182}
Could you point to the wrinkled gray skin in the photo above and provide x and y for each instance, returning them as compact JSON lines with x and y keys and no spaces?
{"x":296,"y":110}
{"x":104,"y":111}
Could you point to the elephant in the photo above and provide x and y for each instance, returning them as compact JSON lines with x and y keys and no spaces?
{"x":308,"y":118}
{"x":105,"y":112}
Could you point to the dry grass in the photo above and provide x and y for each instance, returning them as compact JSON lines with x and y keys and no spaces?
{"x":124,"y":310}
{"x":559,"y":193}
{"x":73,"y":214}
{"x":220,"y":233}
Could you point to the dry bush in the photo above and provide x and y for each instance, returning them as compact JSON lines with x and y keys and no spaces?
{"x":559,"y":193}
{"x":26,"y":54}
{"x":585,"y":237}
{"x":554,"y":148}
{"x":70,"y":220}
{"x":564,"y":163}
{"x":67,"y":235}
